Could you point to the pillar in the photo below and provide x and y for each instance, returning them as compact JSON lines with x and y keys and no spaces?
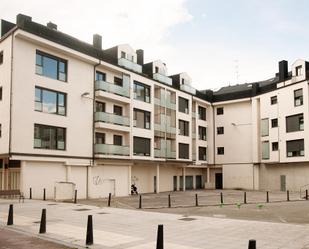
{"x":2,"y":175}
{"x":158,"y":178}
{"x":89,"y":181}
{"x":208,"y":175}
{"x":184,"y":179}
{"x":129,"y":179}
{"x":68,"y":173}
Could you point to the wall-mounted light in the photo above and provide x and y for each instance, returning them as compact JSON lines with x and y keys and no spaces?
{"x":85,"y":94}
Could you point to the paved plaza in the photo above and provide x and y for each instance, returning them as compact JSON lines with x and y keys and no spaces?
{"x":131,"y":228}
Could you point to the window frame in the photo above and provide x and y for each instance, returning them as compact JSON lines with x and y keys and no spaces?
{"x":298,"y":155}
{"x":142,"y":154}
{"x":181,"y":155}
{"x":300,"y":97}
{"x":187,"y":104}
{"x":220,"y":151}
{"x":186,"y":130}
{"x":199,"y":153}
{"x":99,"y":73}
{"x":220,"y":130}
{"x":273,"y":146}
{"x":201,"y":134}
{"x":274,"y":123}
{"x":118,"y":137}
{"x":147,"y":91}
{"x":146,"y":114}
{"x":300,"y":124}
{"x":56,"y":135}
{"x":274,"y":100}
{"x":202,"y":113}
{"x":1,"y":57}
{"x":220,"y":110}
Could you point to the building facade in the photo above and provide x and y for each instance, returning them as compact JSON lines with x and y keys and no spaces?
{"x":103,"y":119}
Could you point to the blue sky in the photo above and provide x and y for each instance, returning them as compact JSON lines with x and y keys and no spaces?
{"x":210,"y":40}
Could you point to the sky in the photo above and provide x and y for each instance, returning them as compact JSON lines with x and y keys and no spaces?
{"x":217,"y":42}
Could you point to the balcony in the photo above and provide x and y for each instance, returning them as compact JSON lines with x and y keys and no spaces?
{"x":110,"y":149}
{"x":130,"y":65}
{"x":112,"y":88}
{"x":162,"y":153}
{"x":165,"y":126}
{"x":112,"y":118}
{"x":162,"y":78}
{"x":188,"y":89}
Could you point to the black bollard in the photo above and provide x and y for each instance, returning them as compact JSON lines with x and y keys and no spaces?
{"x":169,"y":201}
{"x":245,"y":198}
{"x":30,"y":194}
{"x":10,"y":217}
{"x":252,"y":244}
{"x":221,"y":198}
{"x":89,"y":236}
{"x":43,"y":221}
{"x":140,"y":202}
{"x":267,"y":196}
{"x":109,"y":199}
{"x":196,"y":200}
{"x":288,"y":195}
{"x":306,"y":194}
{"x":44,"y":194}
{"x":160,"y":240}
{"x":75,"y":196}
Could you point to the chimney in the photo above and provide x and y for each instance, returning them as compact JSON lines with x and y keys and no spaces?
{"x":21,"y":19}
{"x":283,"y":70}
{"x":140,"y":56}
{"x":52,"y":25}
{"x":97,"y":41}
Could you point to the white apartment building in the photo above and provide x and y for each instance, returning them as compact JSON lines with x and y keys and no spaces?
{"x":104,"y":119}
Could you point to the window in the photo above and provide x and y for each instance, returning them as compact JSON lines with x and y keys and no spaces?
{"x":99,"y":106}
{"x":99,"y":138}
{"x":49,"y":137}
{"x":274,"y":123}
{"x":49,"y":101}
{"x":273,"y":100}
{"x":295,"y":148}
{"x":118,"y":110}
{"x":183,"y":128}
{"x":298,"y":97}
{"x":295,"y":123}
{"x":220,"y":130}
{"x":123,"y":54}
{"x":202,"y":154}
{"x":141,"y":119}
{"x":141,"y":92}
{"x":264,"y":127}
{"x":265,"y":150}
{"x":156,"y":70}
{"x":298,"y":70}
{"x":183,"y":105}
{"x":183,"y":150}
{"x":99,"y":76}
{"x":117,"y":140}
{"x":118,"y":81}
{"x":51,"y":66}
{"x":220,"y":150}
{"x":0,"y":130}
{"x":202,"y":113}
{"x":141,"y":146}
{"x":1,"y":57}
{"x":202,"y":133}
{"x":275,"y":146}
{"x":1,"y":93}
{"x":220,"y":111}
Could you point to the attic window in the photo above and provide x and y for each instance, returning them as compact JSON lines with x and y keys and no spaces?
{"x":156,"y":70}
{"x":182,"y":81}
{"x":1,"y":57}
{"x":298,"y":70}
{"x":123,"y":54}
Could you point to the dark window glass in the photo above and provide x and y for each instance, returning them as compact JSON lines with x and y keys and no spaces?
{"x":123,"y":54}
{"x":1,"y":93}
{"x":50,"y":101}
{"x":141,"y":119}
{"x":220,"y":130}
{"x":183,"y":151}
{"x":275,"y":146}
{"x":99,"y":76}
{"x":156,"y":70}
{"x":49,"y":137}
{"x":99,"y":106}
{"x":1,"y":57}
{"x":51,"y":66}
{"x":141,"y":92}
{"x":202,"y":113}
{"x":118,"y":81}
{"x":0,"y":130}
{"x":99,"y":138}
{"x":141,"y":146}
{"x":220,"y":111}
{"x":183,"y":105}
{"x":202,"y":133}
{"x":220,"y":150}
{"x":295,"y":148}
{"x":117,"y":140}
{"x":118,"y":110}
{"x":298,"y":97}
{"x":183,"y":128}
{"x":295,"y":123}
{"x":274,"y":123}
{"x":273,"y":100}
{"x":202,"y":154}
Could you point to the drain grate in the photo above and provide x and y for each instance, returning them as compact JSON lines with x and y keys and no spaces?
{"x":187,"y":219}
{"x":82,"y":209}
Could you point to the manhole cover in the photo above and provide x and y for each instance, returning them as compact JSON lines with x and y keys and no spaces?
{"x":82,"y":209}
{"x":187,"y":219}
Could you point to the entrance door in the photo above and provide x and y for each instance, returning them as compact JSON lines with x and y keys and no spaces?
{"x":282,"y":183}
{"x":155,"y":184}
{"x":175,"y":183}
{"x":198,"y":182}
{"x":189,"y":182}
{"x":219,"y":184}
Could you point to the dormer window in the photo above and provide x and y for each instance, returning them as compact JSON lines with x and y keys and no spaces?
{"x":156,"y":69}
{"x":299,"y":70}
{"x":123,"y":54}
{"x":182,"y":81}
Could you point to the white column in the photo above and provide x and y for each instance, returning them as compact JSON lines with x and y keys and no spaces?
{"x":129,"y":179}
{"x":208,"y":175}
{"x":68,"y":173}
{"x":89,"y":181}
{"x":22,"y":183}
{"x":183,"y":179}
{"x":158,"y":179}
{"x":194,"y":181}
{"x":2,"y":180}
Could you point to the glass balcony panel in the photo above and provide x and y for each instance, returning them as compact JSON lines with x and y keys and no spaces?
{"x":112,"y":88}
{"x":188,"y":89}
{"x":110,"y":149}
{"x":130,"y":65}
{"x":162,"y":78}
{"x":112,"y":118}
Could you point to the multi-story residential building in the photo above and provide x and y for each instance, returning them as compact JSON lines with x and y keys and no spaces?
{"x":103,"y":120}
